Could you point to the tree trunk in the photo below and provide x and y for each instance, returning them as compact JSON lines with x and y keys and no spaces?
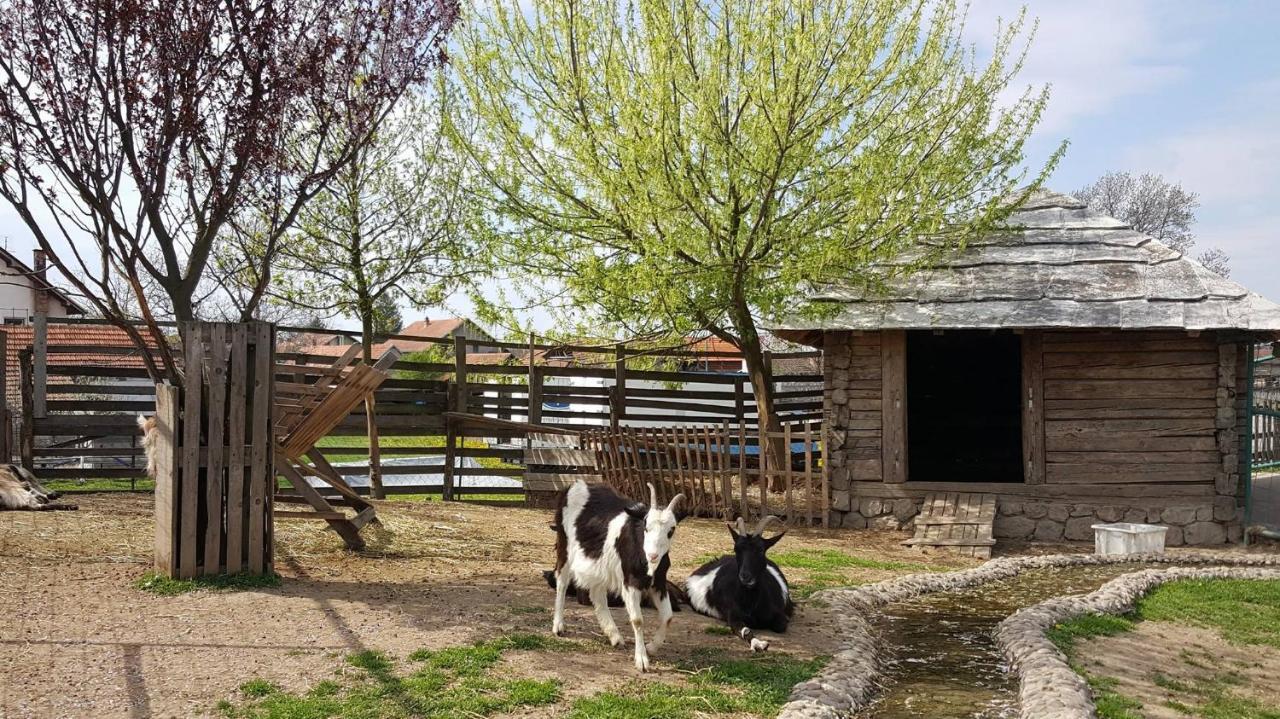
{"x":761,"y":376}
{"x":370,"y":407}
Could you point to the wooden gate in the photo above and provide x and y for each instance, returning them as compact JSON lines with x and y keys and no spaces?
{"x":214,"y":464}
{"x":721,"y":470}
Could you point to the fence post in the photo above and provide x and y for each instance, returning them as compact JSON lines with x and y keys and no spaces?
{"x":6,"y":426}
{"x":460,"y":372}
{"x":27,"y":440}
{"x":618,"y":407}
{"x":450,"y":458}
{"x":535,"y":394}
{"x":40,"y":364}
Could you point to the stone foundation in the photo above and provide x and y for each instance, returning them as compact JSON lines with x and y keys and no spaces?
{"x":1200,"y":525}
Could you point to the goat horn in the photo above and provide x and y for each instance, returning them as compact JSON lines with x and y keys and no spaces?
{"x":675,"y":500}
{"x":653,"y":495}
{"x":764,"y":523}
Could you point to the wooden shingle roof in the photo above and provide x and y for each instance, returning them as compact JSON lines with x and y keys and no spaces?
{"x":1068,"y":267}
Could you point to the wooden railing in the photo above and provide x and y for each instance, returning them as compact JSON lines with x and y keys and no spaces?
{"x":87,"y":429}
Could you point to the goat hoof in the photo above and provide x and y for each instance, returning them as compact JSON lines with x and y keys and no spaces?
{"x":642,"y":663}
{"x":759,"y":645}
{"x":615,"y":640}
{"x":558,"y":629}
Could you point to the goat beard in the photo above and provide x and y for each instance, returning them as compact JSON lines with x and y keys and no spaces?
{"x":674,"y":591}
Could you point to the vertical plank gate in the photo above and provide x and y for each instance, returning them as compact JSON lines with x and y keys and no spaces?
{"x":214,"y":467}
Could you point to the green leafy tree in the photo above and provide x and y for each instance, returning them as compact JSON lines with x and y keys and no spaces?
{"x":687,"y":166}
{"x":390,"y":227}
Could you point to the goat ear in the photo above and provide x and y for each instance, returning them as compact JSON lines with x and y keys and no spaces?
{"x":637,"y":510}
{"x":773,"y":540}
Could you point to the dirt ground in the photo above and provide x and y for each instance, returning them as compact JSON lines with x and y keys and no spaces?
{"x":1164,"y":665}
{"x":79,"y":640}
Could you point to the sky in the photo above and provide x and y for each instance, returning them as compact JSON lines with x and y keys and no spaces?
{"x":1189,"y":90}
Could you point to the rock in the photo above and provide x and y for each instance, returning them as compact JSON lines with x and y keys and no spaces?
{"x":1224,"y":508}
{"x":839,"y":358}
{"x":904,"y":509}
{"x":1224,"y":483}
{"x":1178,"y":515}
{"x":1204,"y":514}
{"x":840,"y":500}
{"x":1235,"y":533}
{"x":1035,"y":510}
{"x":853,"y":520}
{"x":1083,"y":510}
{"x":883,"y":522}
{"x":871,"y":507}
{"x":839,"y":477}
{"x":1007,"y":527}
{"x":1110,"y":513}
{"x":1202,"y":534}
{"x":1079,"y":529}
{"x":1048,"y":530}
{"x":1010,"y":508}
{"x":839,"y":397}
{"x":1173,"y":537}
{"x":1135,"y":515}
{"x":1059,"y":512}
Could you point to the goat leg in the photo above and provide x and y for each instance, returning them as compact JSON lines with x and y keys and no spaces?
{"x":663,"y":602}
{"x":600,"y":602}
{"x":745,"y":634}
{"x":631,"y":598}
{"x":562,"y":588}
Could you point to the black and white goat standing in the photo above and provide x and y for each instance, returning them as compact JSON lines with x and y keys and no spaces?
{"x":606,"y":543}
{"x":744,"y":589}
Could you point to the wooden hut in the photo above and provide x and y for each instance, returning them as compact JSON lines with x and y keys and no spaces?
{"x":1073,"y":367}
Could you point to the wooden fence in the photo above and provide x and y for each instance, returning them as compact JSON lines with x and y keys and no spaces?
{"x":214,"y":462}
{"x":721,"y":470}
{"x":81,"y":422}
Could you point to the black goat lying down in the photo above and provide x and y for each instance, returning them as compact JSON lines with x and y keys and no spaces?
{"x":674,"y":591}
{"x":744,"y":589}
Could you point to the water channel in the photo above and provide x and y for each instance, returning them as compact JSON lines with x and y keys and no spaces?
{"x":944,"y":662}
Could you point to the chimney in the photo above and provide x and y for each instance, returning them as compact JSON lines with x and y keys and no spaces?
{"x":39,"y":283}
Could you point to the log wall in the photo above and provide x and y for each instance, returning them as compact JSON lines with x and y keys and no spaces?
{"x":1133,"y":426}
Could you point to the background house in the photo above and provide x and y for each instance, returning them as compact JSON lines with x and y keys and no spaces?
{"x":1077,"y":369}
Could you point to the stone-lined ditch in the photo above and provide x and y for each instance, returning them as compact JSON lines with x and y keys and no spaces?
{"x":938,"y":658}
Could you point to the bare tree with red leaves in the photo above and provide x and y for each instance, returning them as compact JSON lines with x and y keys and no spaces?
{"x":137,"y":134}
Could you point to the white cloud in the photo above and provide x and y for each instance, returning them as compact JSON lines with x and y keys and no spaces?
{"x":1093,"y":53}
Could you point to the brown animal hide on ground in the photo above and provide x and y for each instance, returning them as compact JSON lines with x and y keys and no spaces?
{"x":19,"y":490}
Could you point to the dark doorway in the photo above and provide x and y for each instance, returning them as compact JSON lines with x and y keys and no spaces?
{"x":964,"y":414}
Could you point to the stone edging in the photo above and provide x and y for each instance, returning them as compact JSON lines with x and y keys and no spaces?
{"x":1048,"y":687}
{"x":849,"y":681}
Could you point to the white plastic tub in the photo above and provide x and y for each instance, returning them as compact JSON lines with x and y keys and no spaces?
{"x":1128,"y":538}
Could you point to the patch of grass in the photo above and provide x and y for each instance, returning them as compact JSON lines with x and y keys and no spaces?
{"x":393,"y":442}
{"x":816,"y":582}
{"x":1212,"y":698}
{"x":1064,"y":635}
{"x":826,"y":560}
{"x":718,"y":629}
{"x":449,"y":683}
{"x":257,"y":688}
{"x":169,"y":587}
{"x":719,"y":684}
{"x":1243,"y":611}
{"x":1110,"y":703}
{"x":73,"y":486}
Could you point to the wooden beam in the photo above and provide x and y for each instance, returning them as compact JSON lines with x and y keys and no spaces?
{"x":1033,"y":444}
{"x":893,"y":358}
